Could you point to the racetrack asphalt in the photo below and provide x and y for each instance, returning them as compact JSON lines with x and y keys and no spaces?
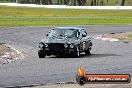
{"x":107,"y":57}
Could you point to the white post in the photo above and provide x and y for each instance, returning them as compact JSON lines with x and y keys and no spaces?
{"x":40,"y":2}
{"x":118,"y":7}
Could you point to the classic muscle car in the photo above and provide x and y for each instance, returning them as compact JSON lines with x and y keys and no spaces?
{"x":65,"y":41}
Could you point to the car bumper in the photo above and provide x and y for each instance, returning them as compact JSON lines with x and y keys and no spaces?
{"x":58,"y":52}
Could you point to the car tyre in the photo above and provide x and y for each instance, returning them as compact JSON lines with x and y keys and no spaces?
{"x":87,"y":52}
{"x":41,"y":54}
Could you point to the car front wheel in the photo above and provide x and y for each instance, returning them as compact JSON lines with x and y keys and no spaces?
{"x":77,"y":52}
{"x":41,"y":54}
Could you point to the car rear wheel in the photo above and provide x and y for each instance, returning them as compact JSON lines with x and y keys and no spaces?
{"x":87,"y":52}
{"x":41,"y":54}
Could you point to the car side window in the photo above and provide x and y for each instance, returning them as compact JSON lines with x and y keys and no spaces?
{"x":84,"y":34}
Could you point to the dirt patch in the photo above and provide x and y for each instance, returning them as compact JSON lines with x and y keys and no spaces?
{"x":8,"y":54}
{"x":4,"y":49}
{"x":124,"y":37}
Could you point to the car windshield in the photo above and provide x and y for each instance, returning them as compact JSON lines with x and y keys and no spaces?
{"x":64,"y":33}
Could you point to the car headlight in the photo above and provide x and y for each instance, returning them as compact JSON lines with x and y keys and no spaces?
{"x":71,"y":46}
{"x":40,"y":45}
{"x":65,"y":45}
{"x":46,"y":45}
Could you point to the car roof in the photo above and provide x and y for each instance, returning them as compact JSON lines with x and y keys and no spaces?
{"x":66,"y":28}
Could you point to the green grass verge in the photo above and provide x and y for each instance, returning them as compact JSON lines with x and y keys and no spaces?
{"x":23,"y":16}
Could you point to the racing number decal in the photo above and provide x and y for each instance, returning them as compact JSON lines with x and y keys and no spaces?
{"x":83,"y":45}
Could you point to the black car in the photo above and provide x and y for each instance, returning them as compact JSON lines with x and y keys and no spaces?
{"x":65,"y":41}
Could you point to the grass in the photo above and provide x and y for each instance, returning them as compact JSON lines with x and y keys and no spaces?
{"x":23,"y":16}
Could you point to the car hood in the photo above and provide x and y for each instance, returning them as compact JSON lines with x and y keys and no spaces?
{"x":59,"y":40}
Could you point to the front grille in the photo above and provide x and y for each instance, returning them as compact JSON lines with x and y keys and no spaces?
{"x":56,"y":47}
